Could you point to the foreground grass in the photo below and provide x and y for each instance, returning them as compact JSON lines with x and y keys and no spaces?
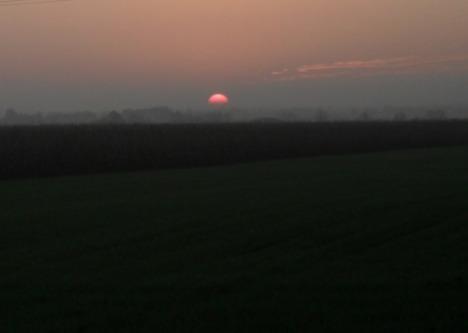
{"x":372,"y":242}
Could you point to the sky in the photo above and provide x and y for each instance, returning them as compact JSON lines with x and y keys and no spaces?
{"x":105,"y":54}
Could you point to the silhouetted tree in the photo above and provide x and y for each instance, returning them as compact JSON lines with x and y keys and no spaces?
{"x":321,"y":115}
{"x":400,"y":116}
{"x":436,"y":114}
{"x":364,"y":116}
{"x":113,"y":117}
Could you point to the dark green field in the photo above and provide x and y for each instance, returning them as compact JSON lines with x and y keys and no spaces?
{"x":375,"y":242}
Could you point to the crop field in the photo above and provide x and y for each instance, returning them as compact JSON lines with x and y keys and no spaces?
{"x":36,"y":151}
{"x":372,"y":242}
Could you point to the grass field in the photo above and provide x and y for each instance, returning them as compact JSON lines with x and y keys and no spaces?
{"x":373,"y":242}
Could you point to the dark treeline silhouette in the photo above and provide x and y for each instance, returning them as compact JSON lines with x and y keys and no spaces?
{"x":32,"y":151}
{"x":166,"y":115}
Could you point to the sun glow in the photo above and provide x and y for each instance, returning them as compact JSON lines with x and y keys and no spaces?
{"x":218,"y":100}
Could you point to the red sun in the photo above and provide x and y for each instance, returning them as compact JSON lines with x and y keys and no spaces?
{"x":218,"y":100}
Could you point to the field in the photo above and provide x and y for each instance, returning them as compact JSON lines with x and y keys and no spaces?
{"x":37,"y":151}
{"x":366,"y":242}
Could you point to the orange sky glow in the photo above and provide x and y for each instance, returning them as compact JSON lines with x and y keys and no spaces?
{"x":221,"y":43}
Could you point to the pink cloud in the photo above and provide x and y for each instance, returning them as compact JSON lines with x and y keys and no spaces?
{"x":372,"y":67}
{"x":280,"y":72}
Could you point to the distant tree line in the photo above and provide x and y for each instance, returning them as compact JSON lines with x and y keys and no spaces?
{"x":166,"y":115}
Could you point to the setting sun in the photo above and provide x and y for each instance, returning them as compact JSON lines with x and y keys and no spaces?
{"x":218,"y":100}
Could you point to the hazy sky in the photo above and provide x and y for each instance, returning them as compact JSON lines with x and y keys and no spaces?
{"x":102,"y":54}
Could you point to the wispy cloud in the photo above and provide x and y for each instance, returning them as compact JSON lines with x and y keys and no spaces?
{"x":280,"y":72}
{"x":372,"y":67}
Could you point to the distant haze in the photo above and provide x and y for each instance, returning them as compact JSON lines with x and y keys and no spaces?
{"x":104,"y":54}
